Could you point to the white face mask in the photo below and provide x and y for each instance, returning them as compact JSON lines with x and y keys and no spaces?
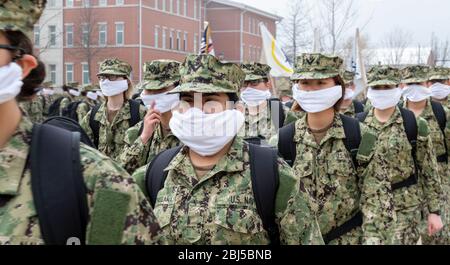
{"x":47,"y":92}
{"x":349,"y":94}
{"x":74,"y":92}
{"x":99,"y":93}
{"x":10,"y":82}
{"x":294,"y":90}
{"x":113,"y":88}
{"x":164,"y":102}
{"x":416,"y":93}
{"x":206,"y":134}
{"x":92,"y":95}
{"x":254,"y":97}
{"x":318,"y":100}
{"x":440,"y":91}
{"x":384,"y":99}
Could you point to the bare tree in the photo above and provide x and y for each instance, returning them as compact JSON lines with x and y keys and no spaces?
{"x":294,"y":29}
{"x":441,"y":50}
{"x":395,"y":43}
{"x":367,"y":52}
{"x":337,"y":17}
{"x":46,"y":41}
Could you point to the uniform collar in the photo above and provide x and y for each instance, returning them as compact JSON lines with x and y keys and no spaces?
{"x":123,"y":114}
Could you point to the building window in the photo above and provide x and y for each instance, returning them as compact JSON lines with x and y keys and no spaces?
{"x":85,"y":35}
{"x":52,"y":68}
{"x":178,"y":7}
{"x":119,"y":2}
{"x":164,"y":5}
{"x":171,"y":6}
{"x":69,"y":72}
{"x":51,"y":3}
{"x":52,"y":35}
{"x":156,"y":36}
{"x":119,"y":33}
{"x":85,"y":68}
{"x":102,"y":34}
{"x":69,"y":35}
{"x":164,"y":37}
{"x":156,"y":4}
{"x":171,"y":40}
{"x":195,"y":42}
{"x":37,"y":35}
{"x":87,"y":3}
{"x":185,"y":8}
{"x":195,"y":8}
{"x":102,"y":2}
{"x":69,"y":3}
{"x":185,"y":39}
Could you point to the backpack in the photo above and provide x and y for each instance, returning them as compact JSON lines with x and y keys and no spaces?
{"x":95,"y":125}
{"x":410,"y":125}
{"x":71,"y":110}
{"x":264,"y":175}
{"x":441,"y":117}
{"x":57,"y":184}
{"x":288,"y":149}
{"x":359,"y":107}
{"x":53,"y":110}
{"x":70,"y":125}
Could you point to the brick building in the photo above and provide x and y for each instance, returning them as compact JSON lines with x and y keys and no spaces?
{"x":84,"y":32}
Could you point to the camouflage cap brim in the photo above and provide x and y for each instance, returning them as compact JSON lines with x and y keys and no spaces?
{"x":200,"y":88}
{"x":157,"y":85}
{"x":414,"y":80}
{"x":439,"y":77}
{"x":314,"y":75}
{"x":111,"y":72}
{"x":254,"y":77}
{"x":382,"y":83}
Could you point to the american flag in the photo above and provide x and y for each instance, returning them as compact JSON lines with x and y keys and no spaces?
{"x":207,"y":46}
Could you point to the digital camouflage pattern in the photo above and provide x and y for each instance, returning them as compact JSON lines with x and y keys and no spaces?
{"x":317,"y":66}
{"x":348,"y":77}
{"x":220,"y":209}
{"x":256,"y":71}
{"x":115,"y":66}
{"x":350,"y":111}
{"x":19,"y":223}
{"x":383,"y":75}
{"x":415,"y":74}
{"x":339,"y":190}
{"x":258,"y":124}
{"x":34,"y":109}
{"x":206,"y":74}
{"x":20,"y":15}
{"x":111,"y":134}
{"x":137,"y":154}
{"x":439,"y":73}
{"x":160,"y":74}
{"x":393,"y":143}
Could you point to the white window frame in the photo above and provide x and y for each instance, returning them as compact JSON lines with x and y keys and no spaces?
{"x":85,"y":42}
{"x":52,"y":36}
{"x":37,"y":35}
{"x":185,"y":41}
{"x":69,"y":3}
{"x":185,"y":8}
{"x":179,"y":40}
{"x":100,"y":32}
{"x":164,"y":5}
{"x":178,"y":7}
{"x":123,"y":33}
{"x":120,"y":2}
{"x":102,"y":3}
{"x":164,"y":38}
{"x":83,"y":72}
{"x":171,"y":39}
{"x":86,"y":3}
{"x":67,"y":72}
{"x":52,"y":72}
{"x":195,"y":9}
{"x":156,"y":36}
{"x":67,"y":35}
{"x":171,"y":6}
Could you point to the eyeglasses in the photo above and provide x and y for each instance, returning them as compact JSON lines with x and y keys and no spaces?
{"x":18,"y":52}
{"x":109,"y":77}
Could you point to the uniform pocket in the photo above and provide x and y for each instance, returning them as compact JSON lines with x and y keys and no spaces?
{"x":238,"y":219}
{"x":164,"y":206}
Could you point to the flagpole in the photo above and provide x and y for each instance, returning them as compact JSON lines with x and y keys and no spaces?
{"x":361,"y":63}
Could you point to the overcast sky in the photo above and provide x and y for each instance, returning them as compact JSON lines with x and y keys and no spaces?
{"x":419,"y":17}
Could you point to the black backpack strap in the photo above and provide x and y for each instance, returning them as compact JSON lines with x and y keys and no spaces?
{"x":134,"y":111}
{"x":53,"y":110}
{"x":349,"y":225}
{"x":265,"y":182}
{"x":352,"y":136}
{"x":59,"y":192}
{"x":70,"y":125}
{"x":361,"y":117}
{"x":155,"y":175}
{"x":276,"y":112}
{"x":359,"y":107}
{"x":95,"y":125}
{"x":440,"y":115}
{"x":286,"y":145}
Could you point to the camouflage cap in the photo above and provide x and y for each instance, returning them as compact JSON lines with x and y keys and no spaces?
{"x":114,"y":66}
{"x":73,"y":85}
{"x":47,"y":84}
{"x":383,"y":75}
{"x":87,"y":88}
{"x":439,"y":73}
{"x":20,"y":15}
{"x":159,"y":74}
{"x":317,"y":66}
{"x":206,"y":74}
{"x":414,"y":74}
{"x":348,"y":77}
{"x":255,"y":71}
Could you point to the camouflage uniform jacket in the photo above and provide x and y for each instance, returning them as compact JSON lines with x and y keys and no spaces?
{"x":47,"y":101}
{"x":220,"y":207}
{"x":84,"y":107}
{"x":111,"y":135}
{"x":395,"y":147}
{"x":339,"y":190}
{"x":259,"y":125}
{"x":350,"y":111}
{"x":135,"y":222}
{"x":34,"y":109}
{"x":137,"y":154}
